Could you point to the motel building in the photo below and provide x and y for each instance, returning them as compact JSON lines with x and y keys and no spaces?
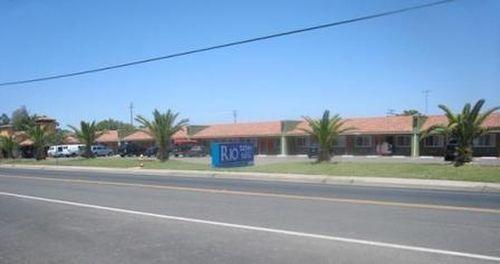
{"x":382,"y":136}
{"x":385,"y":136}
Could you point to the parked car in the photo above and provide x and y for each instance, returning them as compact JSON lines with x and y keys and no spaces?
{"x":451,"y":153}
{"x":101,"y":150}
{"x":151,"y":151}
{"x":190,"y":151}
{"x":130,"y":149}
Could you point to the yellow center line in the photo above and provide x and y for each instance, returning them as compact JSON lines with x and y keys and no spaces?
{"x":263,"y":194}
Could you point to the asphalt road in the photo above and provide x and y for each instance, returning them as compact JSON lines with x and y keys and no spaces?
{"x":87,"y":217}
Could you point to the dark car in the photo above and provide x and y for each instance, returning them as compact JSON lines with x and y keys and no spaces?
{"x":451,"y":153}
{"x":197,"y":151}
{"x":151,"y":151}
{"x":190,"y":151}
{"x":312,"y":150}
{"x":130,"y":149}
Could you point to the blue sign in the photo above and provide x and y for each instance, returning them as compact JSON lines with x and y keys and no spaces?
{"x":231,"y":154}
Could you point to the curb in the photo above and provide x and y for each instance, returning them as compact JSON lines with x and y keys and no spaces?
{"x":282,"y":177}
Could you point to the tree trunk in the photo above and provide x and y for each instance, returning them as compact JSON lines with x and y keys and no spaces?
{"x":88,"y":152}
{"x":464,"y":155}
{"x":162,"y":154}
{"x":445,"y":145}
{"x":39,"y":153}
{"x":324,"y":155}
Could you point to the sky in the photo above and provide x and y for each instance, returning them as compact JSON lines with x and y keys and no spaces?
{"x":356,"y":70}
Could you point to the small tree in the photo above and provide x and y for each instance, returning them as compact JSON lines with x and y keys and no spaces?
{"x":410,"y":112}
{"x":59,"y":136}
{"x":41,"y":140}
{"x":22,"y":120}
{"x":124,"y":129}
{"x":465,"y":127}
{"x":162,"y":128}
{"x":8,"y":145}
{"x":326,"y":131}
{"x":4,"y":119}
{"x":87,"y":134}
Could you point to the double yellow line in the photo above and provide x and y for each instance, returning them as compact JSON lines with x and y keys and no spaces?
{"x":263,"y":194}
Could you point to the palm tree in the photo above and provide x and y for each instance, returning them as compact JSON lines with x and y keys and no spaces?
{"x":465,"y":127}
{"x":325,"y":131}
{"x":41,"y":139}
{"x":87,"y":134}
{"x":8,"y":145}
{"x":162,"y":128}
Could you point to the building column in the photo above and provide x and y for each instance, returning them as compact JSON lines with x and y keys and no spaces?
{"x":415,"y":144}
{"x":284,"y":150}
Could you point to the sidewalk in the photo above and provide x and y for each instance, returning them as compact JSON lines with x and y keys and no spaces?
{"x":304,"y":178}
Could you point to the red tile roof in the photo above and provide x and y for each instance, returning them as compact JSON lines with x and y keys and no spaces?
{"x":25,"y":143}
{"x":139,"y":135}
{"x":493,"y":121}
{"x":70,"y":139}
{"x":257,"y":129}
{"x":369,"y":125}
{"x":392,"y":124}
{"x":181,"y":134}
{"x":143,"y":135}
{"x":108,"y":136}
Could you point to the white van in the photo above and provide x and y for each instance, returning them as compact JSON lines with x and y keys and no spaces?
{"x":56,"y":151}
{"x":65,"y":150}
{"x":73,"y":150}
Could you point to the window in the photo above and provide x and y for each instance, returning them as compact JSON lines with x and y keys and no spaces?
{"x":403,"y":141}
{"x":301,"y":141}
{"x":485,"y":141}
{"x":339,"y":142}
{"x":433,"y":141}
{"x":363,"y":141}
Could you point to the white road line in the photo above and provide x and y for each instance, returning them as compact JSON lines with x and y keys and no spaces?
{"x":260,"y":229}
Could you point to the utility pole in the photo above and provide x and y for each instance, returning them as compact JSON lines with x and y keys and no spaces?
{"x":131,"y":107}
{"x":235,"y":115}
{"x":391,"y":112}
{"x":426,"y":94}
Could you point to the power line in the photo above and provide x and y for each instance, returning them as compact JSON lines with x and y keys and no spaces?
{"x":277,"y":35}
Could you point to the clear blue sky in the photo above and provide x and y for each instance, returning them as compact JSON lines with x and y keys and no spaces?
{"x":359,"y":69}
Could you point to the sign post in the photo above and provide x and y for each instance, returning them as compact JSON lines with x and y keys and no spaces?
{"x":232,"y":154}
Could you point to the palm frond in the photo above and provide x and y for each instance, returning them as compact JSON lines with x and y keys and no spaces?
{"x":476,"y":110}
{"x":448,"y":113}
{"x":482,"y":117}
